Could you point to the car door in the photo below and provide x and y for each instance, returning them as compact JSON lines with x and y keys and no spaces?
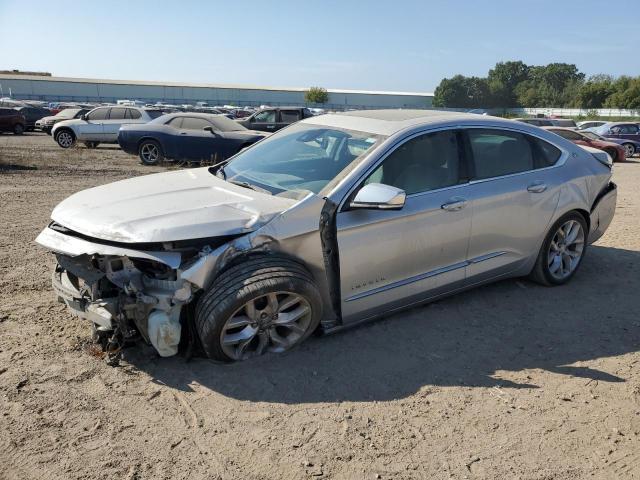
{"x":514,"y":192}
{"x":265,"y":121}
{"x":288,"y":116}
{"x":629,"y":132}
{"x":392,"y":258}
{"x":92,"y":127}
{"x":113,"y":123}
{"x":195,"y":143}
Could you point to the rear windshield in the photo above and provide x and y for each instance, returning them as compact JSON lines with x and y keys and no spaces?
{"x":154,"y":113}
{"x":225,"y":124}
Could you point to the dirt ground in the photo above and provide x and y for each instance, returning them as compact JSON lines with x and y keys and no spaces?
{"x":508,"y":381}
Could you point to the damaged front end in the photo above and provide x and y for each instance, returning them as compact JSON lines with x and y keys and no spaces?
{"x":126,"y":294}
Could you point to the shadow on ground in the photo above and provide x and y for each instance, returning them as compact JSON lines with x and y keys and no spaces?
{"x":463,"y":340}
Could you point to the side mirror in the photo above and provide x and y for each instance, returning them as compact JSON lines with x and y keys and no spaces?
{"x":83,"y":117}
{"x":210,"y":129}
{"x":377,"y":196}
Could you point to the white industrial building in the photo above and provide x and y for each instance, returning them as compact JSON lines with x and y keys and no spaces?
{"x":47,"y":88}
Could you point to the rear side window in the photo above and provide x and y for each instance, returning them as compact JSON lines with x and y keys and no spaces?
{"x":289,"y":116}
{"x":133,"y":114}
{"x":117,"y":114}
{"x":175,"y":122}
{"x":191,"y":123}
{"x":98,"y":114}
{"x":501,"y":152}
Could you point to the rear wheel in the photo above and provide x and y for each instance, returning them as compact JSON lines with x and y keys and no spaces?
{"x":150,"y":152}
{"x":562,"y":251}
{"x":265,"y":304}
{"x":65,"y":138}
{"x":18,"y":129}
{"x":629,"y":149}
{"x":91,"y":144}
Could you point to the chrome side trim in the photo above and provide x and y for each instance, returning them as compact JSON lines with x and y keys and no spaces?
{"x":424,"y":276}
{"x":488,"y":256}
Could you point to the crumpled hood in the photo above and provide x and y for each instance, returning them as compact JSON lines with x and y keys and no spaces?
{"x":180,"y":205}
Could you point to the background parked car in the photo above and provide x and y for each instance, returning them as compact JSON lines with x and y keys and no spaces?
{"x":100,"y":125}
{"x":32,"y":114}
{"x":589,"y":139}
{"x":548,"y":122}
{"x":45,"y":124}
{"x":186,"y":136}
{"x":590,"y":124}
{"x":12,"y":121}
{"x":627,"y":132}
{"x":272,"y":119}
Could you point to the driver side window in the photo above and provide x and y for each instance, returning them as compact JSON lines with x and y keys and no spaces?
{"x":98,"y":114}
{"x":268,"y":116}
{"x":424,"y":163}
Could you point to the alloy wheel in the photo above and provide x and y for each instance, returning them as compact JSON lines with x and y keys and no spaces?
{"x":566,"y":249}
{"x":149,"y":153}
{"x":65,"y":139}
{"x":629,"y":150}
{"x":273,"y":322}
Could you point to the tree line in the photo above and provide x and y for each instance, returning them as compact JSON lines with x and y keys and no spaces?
{"x":515,"y":84}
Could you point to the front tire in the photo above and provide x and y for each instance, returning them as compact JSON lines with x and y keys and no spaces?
{"x":150,"y":152}
{"x":91,"y":144}
{"x":562,"y":251}
{"x":65,"y":138}
{"x":18,"y":129}
{"x":264,"y":304}
{"x":629,"y":149}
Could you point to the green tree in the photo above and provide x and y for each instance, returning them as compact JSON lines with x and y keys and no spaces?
{"x":316,"y":95}
{"x":503,"y":80}
{"x":594,"y":92}
{"x":462,"y":92}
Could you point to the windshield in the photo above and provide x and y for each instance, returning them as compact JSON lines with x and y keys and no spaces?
{"x":225,"y":124}
{"x":67,"y":112}
{"x":300,"y":157}
{"x":154,"y":113}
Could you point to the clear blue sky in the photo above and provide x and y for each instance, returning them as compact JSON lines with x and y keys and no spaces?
{"x":390,"y":45}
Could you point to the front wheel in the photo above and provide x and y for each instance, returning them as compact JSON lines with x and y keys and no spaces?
{"x":562,"y":251}
{"x":150,"y":152}
{"x":65,"y":138}
{"x":629,"y":150}
{"x":264,"y":304}
{"x":18,"y":129}
{"x":91,"y":144}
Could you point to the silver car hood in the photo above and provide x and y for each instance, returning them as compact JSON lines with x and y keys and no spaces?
{"x":180,"y":205}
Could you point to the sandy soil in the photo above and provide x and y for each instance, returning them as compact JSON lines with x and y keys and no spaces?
{"x":511,"y":380}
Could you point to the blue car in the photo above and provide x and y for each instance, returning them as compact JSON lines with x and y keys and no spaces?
{"x":626,"y":134}
{"x":186,"y":137}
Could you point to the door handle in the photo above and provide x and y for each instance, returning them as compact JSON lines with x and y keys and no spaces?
{"x":183,"y":133}
{"x":537,"y":187}
{"x":455,"y":204}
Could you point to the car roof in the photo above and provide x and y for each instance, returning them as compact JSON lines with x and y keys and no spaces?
{"x":388,"y":122}
{"x":196,"y":114}
{"x":553,"y":127}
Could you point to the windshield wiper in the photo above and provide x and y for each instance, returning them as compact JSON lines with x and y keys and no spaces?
{"x":249,"y":186}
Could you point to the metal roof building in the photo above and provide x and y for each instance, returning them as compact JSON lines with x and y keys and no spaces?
{"x":29,"y":87}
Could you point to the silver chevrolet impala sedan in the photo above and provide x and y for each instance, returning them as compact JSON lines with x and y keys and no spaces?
{"x":335,"y":220}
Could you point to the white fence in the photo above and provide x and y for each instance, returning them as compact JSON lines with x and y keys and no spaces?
{"x":575,"y":112}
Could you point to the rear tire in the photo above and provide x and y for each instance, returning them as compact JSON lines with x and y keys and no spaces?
{"x":91,"y":144}
{"x":65,"y":138}
{"x":562,"y":251}
{"x":266,"y":303}
{"x":18,"y":129}
{"x":150,"y":152}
